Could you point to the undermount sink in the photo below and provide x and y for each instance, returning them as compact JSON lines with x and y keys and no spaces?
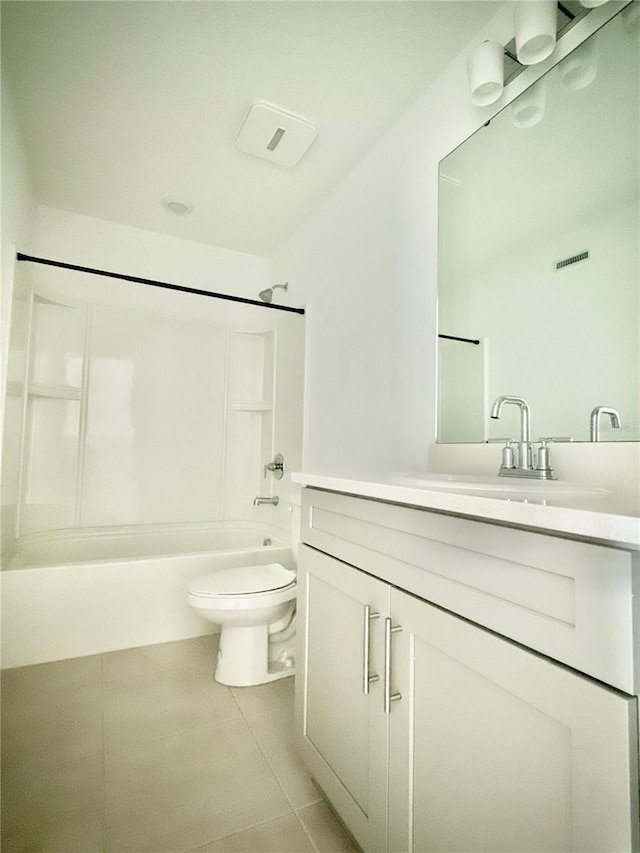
{"x":494,"y":485}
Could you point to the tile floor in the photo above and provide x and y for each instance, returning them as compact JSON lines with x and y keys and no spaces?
{"x":141,"y":750}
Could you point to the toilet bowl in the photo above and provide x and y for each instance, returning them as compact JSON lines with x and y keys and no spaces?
{"x":255,"y":608}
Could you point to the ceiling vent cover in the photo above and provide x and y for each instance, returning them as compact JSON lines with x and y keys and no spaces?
{"x":275,"y":134}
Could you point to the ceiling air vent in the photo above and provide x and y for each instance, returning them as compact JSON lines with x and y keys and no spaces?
{"x":275,"y":134}
{"x":581,"y":256}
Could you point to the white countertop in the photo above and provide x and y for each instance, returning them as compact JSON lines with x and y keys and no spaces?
{"x":612,"y":517}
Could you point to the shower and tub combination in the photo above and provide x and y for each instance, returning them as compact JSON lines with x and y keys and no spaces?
{"x":140,"y":427}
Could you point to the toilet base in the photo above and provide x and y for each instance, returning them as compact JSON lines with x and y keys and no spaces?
{"x":244,"y":657}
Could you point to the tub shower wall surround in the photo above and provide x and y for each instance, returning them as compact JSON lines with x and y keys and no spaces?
{"x":140,"y":409}
{"x":72,"y":593}
{"x":488,"y":688}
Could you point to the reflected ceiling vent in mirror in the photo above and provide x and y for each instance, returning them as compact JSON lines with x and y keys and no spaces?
{"x":574,"y":259}
{"x":275,"y":134}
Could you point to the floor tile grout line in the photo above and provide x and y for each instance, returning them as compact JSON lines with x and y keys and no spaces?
{"x":274,"y":771}
{"x":306,"y":831}
{"x":282,"y":788}
{"x":237,"y":832}
{"x":266,"y":758}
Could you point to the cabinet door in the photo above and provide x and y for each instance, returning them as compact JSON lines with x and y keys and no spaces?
{"x":342,"y":730}
{"x":494,"y":748}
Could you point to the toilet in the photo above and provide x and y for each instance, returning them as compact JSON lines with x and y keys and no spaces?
{"x":255,"y":607}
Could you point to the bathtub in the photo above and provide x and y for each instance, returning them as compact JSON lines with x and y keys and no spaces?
{"x":71,"y":593}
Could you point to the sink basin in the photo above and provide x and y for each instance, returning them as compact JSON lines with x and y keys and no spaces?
{"x":495,"y":485}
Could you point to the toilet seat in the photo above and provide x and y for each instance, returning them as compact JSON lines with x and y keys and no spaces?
{"x":243,"y":581}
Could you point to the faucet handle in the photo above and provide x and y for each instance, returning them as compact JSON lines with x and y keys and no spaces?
{"x":508,"y":451}
{"x":543,"y":458}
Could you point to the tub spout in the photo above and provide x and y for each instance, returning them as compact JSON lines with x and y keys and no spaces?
{"x":273,"y":501}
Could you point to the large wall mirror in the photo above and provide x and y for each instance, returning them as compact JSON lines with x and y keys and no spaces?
{"x":539,"y":255}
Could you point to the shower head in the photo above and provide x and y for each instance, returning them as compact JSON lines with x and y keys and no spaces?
{"x":267,"y":295}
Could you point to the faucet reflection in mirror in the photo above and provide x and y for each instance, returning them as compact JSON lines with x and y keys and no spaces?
{"x":552,"y":179}
{"x":595,"y":420}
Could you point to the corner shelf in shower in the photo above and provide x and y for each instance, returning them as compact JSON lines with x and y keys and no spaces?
{"x":250,"y":405}
{"x":55,"y":392}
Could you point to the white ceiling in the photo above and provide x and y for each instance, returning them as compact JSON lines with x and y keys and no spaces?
{"x":125,"y":103}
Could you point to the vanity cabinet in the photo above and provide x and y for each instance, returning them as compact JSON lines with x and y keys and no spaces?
{"x":431,"y":732}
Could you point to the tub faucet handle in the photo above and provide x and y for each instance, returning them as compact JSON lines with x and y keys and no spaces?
{"x":276,"y":467}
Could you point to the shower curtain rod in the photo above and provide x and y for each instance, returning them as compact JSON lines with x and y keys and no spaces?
{"x":137,"y":280}
{"x":465,"y":340}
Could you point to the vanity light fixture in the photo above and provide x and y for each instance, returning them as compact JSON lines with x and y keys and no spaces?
{"x":485,"y":67}
{"x":535,"y":27}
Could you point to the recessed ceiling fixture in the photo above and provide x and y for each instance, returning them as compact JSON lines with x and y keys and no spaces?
{"x":179,"y":208}
{"x":275,"y":134}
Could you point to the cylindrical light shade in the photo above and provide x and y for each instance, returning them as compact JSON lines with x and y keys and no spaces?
{"x":485,"y":67}
{"x":591,"y":4}
{"x":535,"y":26}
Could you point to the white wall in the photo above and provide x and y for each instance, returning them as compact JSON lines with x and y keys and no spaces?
{"x":366,"y":260}
{"x":87,"y":241}
{"x":18,"y":208}
{"x":18,"y":214}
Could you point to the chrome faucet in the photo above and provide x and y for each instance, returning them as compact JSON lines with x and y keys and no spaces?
{"x":274,"y":501}
{"x":524,"y":467}
{"x":595,"y":420}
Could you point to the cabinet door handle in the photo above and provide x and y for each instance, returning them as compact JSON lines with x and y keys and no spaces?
{"x":366,"y":678}
{"x":389,"y":697}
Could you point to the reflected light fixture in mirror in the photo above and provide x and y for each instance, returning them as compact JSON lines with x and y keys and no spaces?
{"x":579,"y":68}
{"x":535,"y":28}
{"x":485,"y":67}
{"x":528,"y":110}
{"x":631,"y":22}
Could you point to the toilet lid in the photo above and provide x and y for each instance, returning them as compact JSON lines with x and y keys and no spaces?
{"x":242,"y":580}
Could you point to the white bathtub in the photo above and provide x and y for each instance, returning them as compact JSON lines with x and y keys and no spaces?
{"x":71,"y":593}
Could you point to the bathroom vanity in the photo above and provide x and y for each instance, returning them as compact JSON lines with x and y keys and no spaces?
{"x":469,"y":669}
